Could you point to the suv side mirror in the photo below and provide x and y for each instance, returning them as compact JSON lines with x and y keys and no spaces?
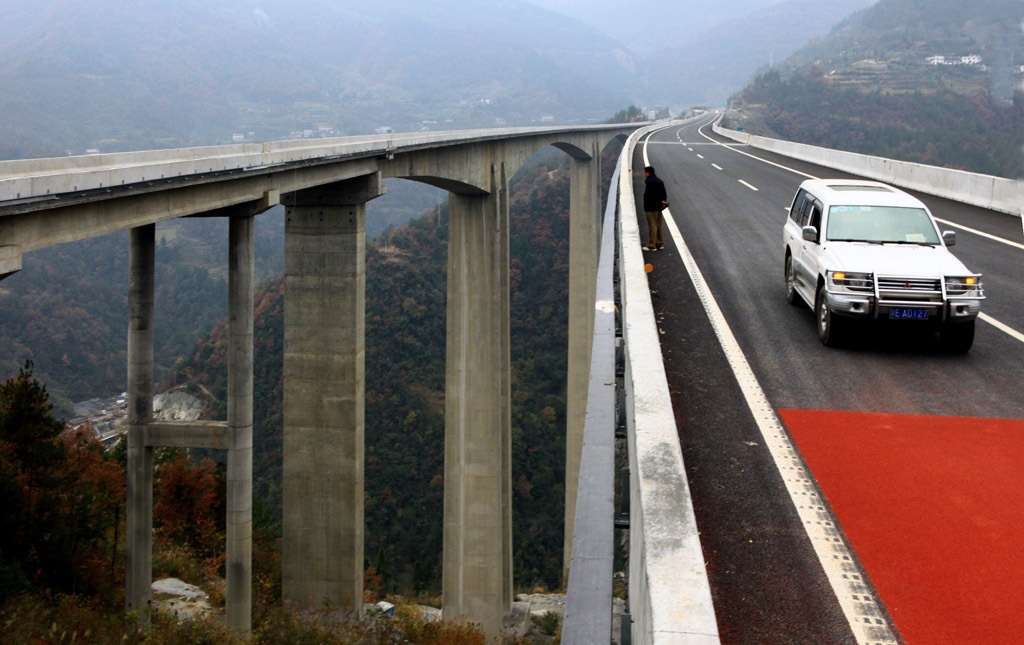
{"x":810,"y":233}
{"x":949,"y":237}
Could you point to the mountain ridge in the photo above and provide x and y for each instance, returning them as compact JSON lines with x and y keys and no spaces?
{"x":885,"y":98}
{"x":102,"y":74}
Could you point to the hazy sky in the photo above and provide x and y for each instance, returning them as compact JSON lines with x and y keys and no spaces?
{"x":646,"y":25}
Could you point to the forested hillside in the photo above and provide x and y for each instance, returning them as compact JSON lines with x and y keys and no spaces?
{"x":405,"y":348}
{"x":869,"y":87}
{"x":67,"y":309}
{"x":942,"y":128}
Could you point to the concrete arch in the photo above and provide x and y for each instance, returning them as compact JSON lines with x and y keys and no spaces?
{"x":573,"y":151}
{"x":466,"y":169}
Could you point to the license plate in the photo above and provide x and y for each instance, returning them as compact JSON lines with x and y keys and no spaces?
{"x":904,"y":313}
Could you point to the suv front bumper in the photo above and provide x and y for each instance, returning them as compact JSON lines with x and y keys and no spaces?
{"x":864,"y":306}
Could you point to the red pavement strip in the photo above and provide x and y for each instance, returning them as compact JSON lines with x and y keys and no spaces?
{"x":934,"y":508}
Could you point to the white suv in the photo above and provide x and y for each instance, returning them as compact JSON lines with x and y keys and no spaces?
{"x":862,"y":249}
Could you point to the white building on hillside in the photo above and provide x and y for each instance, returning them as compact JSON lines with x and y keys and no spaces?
{"x":970,"y":59}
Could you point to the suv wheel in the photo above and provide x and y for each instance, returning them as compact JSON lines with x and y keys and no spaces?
{"x":957,"y":338}
{"x":830,"y":328}
{"x":792,"y":297}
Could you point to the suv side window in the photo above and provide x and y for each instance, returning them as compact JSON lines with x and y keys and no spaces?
{"x":805,"y":211}
{"x":814,"y":217}
{"x":798,"y":206}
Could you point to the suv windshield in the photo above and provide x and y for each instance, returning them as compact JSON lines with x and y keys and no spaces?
{"x":880,"y":224}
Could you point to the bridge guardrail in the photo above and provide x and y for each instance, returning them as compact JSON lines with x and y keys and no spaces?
{"x":986,"y":191}
{"x":669,"y":592}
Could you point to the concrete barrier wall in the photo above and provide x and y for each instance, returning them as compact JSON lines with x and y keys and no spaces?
{"x":28,"y":178}
{"x":986,"y":191}
{"x":669,"y":594}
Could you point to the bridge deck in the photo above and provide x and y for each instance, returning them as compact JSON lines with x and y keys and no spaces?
{"x":857,"y":420}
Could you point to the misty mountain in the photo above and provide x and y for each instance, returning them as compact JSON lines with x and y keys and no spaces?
{"x":648,"y":27}
{"x":717,"y":62}
{"x":113,"y":76}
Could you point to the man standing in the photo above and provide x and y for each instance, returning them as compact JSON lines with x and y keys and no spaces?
{"x":655,"y":201}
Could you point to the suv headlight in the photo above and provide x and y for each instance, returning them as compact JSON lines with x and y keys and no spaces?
{"x":851,"y":282}
{"x":969,"y":286}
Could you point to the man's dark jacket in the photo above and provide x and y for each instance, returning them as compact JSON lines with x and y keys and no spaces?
{"x":654,"y":194}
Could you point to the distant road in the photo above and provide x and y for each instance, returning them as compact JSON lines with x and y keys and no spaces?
{"x":890,"y":429}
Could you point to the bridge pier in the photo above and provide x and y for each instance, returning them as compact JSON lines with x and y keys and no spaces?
{"x":477,"y":559}
{"x":238,"y":565}
{"x":584,"y":250}
{"x":324,"y":393}
{"x":139,"y":539}
{"x":10,"y":259}
{"x":235,"y":435}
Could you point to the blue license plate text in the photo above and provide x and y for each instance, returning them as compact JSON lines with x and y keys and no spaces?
{"x":903,"y":313}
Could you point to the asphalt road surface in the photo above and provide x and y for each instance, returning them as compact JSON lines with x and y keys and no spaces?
{"x":911,"y":449}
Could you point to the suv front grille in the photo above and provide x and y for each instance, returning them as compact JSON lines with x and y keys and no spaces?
{"x":923,"y":289}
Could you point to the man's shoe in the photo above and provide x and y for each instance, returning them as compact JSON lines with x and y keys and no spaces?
{"x":661,"y":246}
{"x":650,"y":247}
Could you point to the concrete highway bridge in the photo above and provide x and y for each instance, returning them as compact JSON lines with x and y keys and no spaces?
{"x":686,"y":352}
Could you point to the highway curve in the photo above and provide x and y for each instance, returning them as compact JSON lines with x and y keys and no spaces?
{"x":912,"y":450}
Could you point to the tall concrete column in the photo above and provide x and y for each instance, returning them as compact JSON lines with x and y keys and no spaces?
{"x":477,"y":566}
{"x":324,"y":329}
{"x":240,"y":365}
{"x":139,"y":540}
{"x":584,"y":249}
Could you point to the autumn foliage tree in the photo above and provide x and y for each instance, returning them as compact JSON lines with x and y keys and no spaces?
{"x":62,"y":495}
{"x":187,"y":502}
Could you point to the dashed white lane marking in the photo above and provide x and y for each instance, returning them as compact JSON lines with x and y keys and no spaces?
{"x":700,"y":156}
{"x":771,"y":163}
{"x":990,"y":320}
{"x":754,"y":188}
{"x":855,"y":596}
{"x":714,"y":165}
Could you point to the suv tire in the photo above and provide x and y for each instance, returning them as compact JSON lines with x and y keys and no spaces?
{"x":957,"y":338}
{"x":831,"y":328}
{"x":792,"y":297}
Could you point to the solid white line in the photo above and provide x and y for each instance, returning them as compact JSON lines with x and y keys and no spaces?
{"x":855,"y":596}
{"x":853,"y":593}
{"x":1001,"y":327}
{"x":981,"y":233}
{"x":754,"y":188}
{"x":714,"y":165}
